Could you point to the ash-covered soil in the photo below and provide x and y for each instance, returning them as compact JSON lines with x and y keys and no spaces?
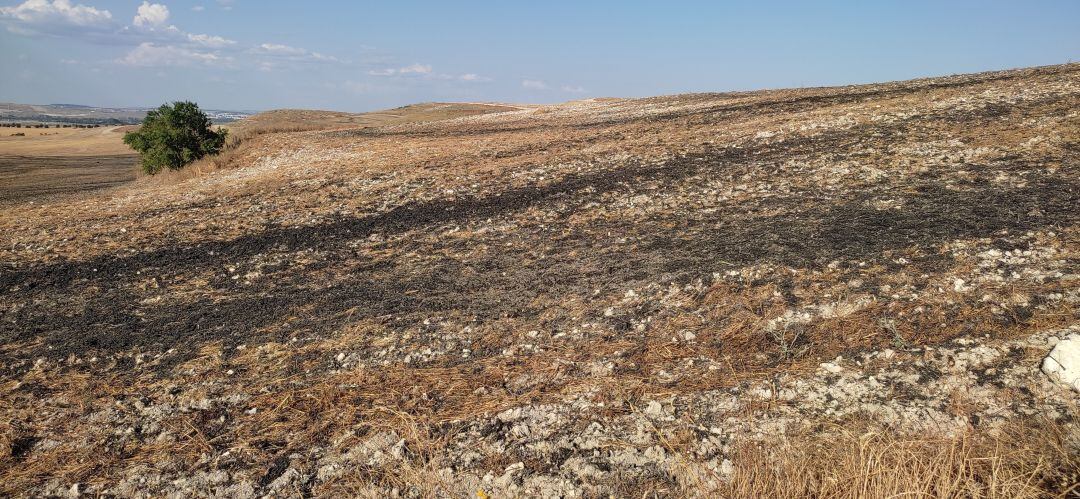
{"x":599,"y":297}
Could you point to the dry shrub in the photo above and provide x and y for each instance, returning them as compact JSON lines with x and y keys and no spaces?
{"x":1039,"y":459}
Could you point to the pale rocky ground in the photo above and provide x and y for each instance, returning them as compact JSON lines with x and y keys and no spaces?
{"x":600,"y":297}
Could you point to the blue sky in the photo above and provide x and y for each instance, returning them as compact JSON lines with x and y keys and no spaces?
{"x":357,"y":56}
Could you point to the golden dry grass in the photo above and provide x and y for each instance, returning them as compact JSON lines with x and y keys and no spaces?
{"x":1023,"y":460}
{"x":63,"y":142}
{"x":297,"y":395}
{"x":285,"y":121}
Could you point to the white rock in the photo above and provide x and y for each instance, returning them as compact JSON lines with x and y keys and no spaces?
{"x":832,"y":368}
{"x":727,"y":468}
{"x":1063,"y":363}
{"x":654,"y":409}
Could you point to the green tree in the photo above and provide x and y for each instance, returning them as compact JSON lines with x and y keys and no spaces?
{"x":174,"y":135}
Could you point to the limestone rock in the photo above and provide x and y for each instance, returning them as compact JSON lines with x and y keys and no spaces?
{"x":1063,"y":363}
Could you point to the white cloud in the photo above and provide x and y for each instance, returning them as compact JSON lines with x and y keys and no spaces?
{"x":210,"y":40}
{"x":574,"y":89}
{"x":62,"y":18}
{"x":150,"y":55}
{"x":55,"y":16}
{"x":198,"y":8}
{"x":150,"y":40}
{"x":415,"y":69}
{"x":325,"y":58}
{"x":151,"y":14}
{"x":280,"y":54}
{"x":534,"y":84}
{"x":473,"y":77}
{"x":469,"y":77}
{"x":412,"y":69}
{"x":279,"y":49}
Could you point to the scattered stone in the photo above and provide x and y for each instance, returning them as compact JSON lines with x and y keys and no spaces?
{"x":1063,"y":363}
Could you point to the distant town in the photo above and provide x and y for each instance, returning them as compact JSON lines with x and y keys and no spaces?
{"x":75,"y":115}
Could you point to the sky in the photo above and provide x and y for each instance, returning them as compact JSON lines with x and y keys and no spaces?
{"x":368,"y":55}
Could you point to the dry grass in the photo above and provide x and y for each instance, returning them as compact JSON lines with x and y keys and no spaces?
{"x":391,"y":251}
{"x":1039,"y":459}
{"x":1035,"y":459}
{"x":63,"y":142}
{"x":286,"y":121}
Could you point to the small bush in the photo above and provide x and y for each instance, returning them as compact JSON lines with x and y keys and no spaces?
{"x":174,"y":135}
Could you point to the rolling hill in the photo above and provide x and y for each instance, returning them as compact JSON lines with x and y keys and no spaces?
{"x":730,"y":294}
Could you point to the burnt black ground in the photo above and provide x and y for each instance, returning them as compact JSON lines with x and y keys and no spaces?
{"x":90,"y":306}
{"x":415,"y":302}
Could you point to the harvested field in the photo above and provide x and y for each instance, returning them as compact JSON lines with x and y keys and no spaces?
{"x":105,"y":141}
{"x":31,"y":177}
{"x":662,"y":296}
{"x":62,"y":161}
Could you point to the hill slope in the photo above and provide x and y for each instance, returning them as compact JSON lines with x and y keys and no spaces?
{"x":600,"y":297}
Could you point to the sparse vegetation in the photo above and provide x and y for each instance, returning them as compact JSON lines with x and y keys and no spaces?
{"x":173,"y":136}
{"x":818,"y":292}
{"x":1023,"y":460}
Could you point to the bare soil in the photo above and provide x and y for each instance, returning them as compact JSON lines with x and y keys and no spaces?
{"x":32,"y":177}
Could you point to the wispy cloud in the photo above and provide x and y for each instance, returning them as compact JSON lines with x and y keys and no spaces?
{"x":90,"y":24}
{"x":534,"y":84}
{"x":416,"y":69}
{"x":279,"y":49}
{"x":210,"y":40}
{"x":543,"y":85}
{"x":425,"y":71}
{"x":151,"y":40}
{"x":278,"y":54}
{"x":412,"y":69}
{"x":150,"y":55}
{"x":473,"y":77}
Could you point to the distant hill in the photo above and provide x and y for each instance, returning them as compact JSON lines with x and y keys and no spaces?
{"x":90,"y":115}
{"x":305,"y":119}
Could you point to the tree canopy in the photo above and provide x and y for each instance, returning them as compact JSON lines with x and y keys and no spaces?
{"x":174,"y":135}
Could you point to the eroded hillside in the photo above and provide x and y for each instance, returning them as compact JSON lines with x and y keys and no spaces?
{"x":599,"y":297}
